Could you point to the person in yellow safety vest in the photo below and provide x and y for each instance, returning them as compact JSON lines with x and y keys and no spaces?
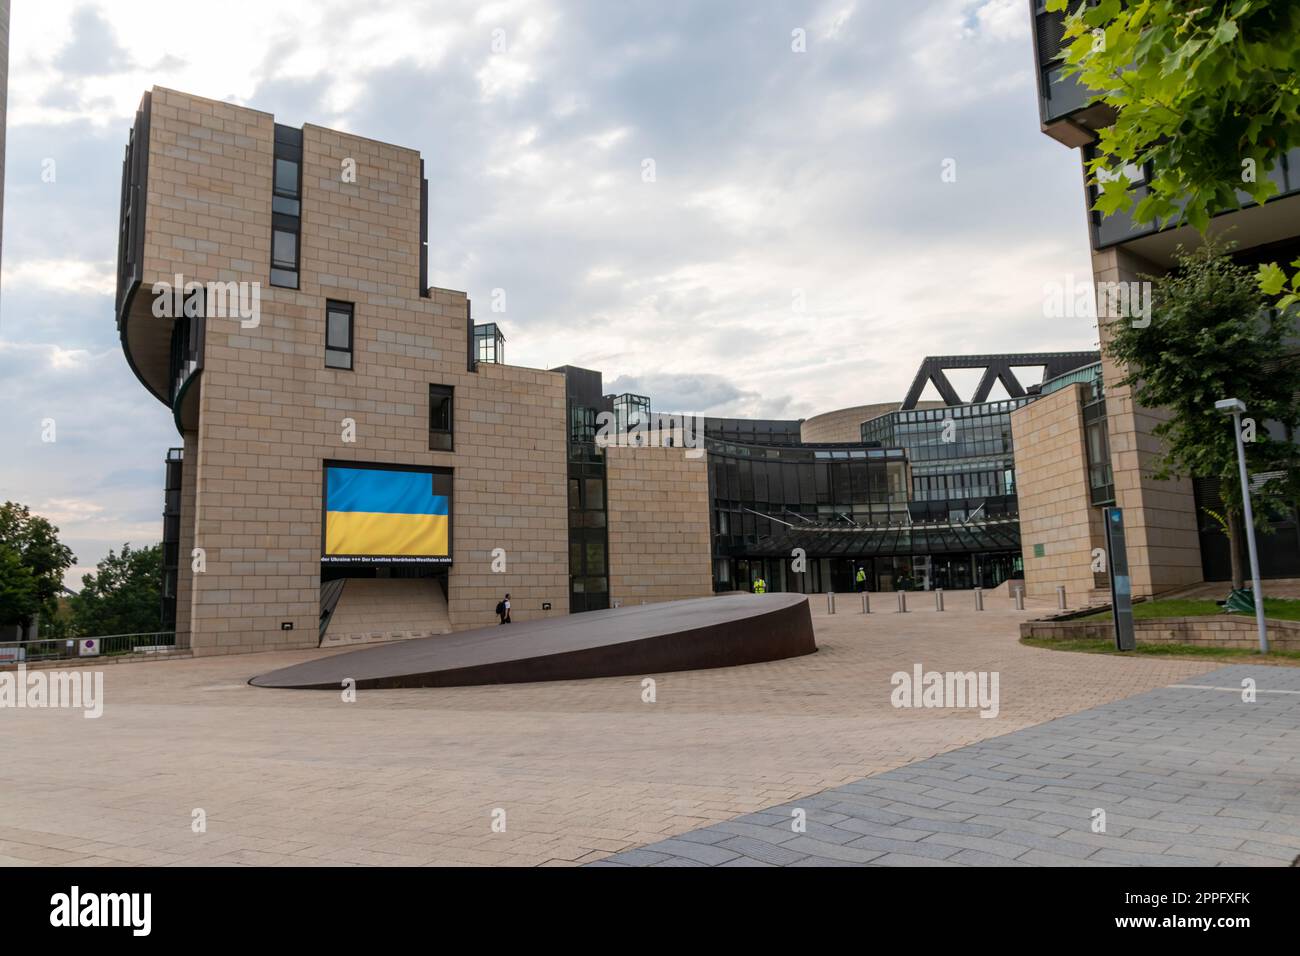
{"x":760,"y":586}
{"x":862,"y":579}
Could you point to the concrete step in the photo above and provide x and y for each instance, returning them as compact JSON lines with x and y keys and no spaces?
{"x":371,"y":610}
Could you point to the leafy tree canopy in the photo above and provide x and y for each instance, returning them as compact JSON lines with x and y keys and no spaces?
{"x":1211,"y":338}
{"x":18,"y":601}
{"x":36,"y":543}
{"x":1207,"y":92}
{"x":124,"y":594}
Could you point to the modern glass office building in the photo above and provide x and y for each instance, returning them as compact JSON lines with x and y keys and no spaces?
{"x":920,"y":497}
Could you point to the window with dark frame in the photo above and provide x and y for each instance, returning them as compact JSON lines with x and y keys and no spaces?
{"x":339,"y":334}
{"x":286,"y":208}
{"x":441,"y":418}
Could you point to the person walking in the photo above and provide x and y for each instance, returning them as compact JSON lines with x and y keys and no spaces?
{"x":862,"y":578}
{"x":503,"y":610}
{"x":760,"y":586}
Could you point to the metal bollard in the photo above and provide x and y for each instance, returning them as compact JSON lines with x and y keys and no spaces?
{"x":1060,"y":596}
{"x":938,"y":599}
{"x":830,"y":602}
{"x":1020,"y":599}
{"x":866,"y":603}
{"x":979,"y":599}
{"x":902,"y":602}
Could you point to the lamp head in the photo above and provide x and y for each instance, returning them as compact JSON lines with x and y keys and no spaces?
{"x":1229,"y":406}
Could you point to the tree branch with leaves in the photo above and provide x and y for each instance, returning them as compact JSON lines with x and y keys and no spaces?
{"x":1211,"y":337}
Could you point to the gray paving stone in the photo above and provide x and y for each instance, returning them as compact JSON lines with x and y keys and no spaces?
{"x":769,"y":853}
{"x":891,"y":831}
{"x":823,"y":861}
{"x":708,"y":855}
{"x":640,"y":857}
{"x":1038,"y":827}
{"x":918,"y":848}
{"x":678,"y":861}
{"x":1187,"y":778}
{"x":976,"y":858}
{"x":945,"y":826}
{"x":832,"y":851}
{"x":1144,"y":859}
{"x":903,"y":859}
{"x":1286,"y":854}
{"x":1047,"y":858}
{"x":768,"y":834}
{"x":1006,"y":847}
{"x":709,"y":836}
{"x":874,"y":814}
{"x":929,"y":813}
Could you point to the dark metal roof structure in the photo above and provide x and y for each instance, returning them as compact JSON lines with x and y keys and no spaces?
{"x":1000,"y":534}
{"x":997,"y":368}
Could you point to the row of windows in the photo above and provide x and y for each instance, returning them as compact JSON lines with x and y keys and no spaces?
{"x":286,"y":207}
{"x":807,"y":483}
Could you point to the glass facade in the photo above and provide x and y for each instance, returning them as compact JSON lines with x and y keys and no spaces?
{"x":587,"y":497}
{"x":927,"y":499}
{"x":489,"y":343}
{"x":962,"y":459}
{"x":630,"y":411}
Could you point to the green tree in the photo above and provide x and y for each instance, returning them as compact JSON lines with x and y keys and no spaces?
{"x":123,"y":596}
{"x":1210,"y":338}
{"x":18,"y":601}
{"x":36,"y":542}
{"x":1208,"y":93}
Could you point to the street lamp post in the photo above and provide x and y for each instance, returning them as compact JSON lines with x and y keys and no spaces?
{"x":1234,"y":407}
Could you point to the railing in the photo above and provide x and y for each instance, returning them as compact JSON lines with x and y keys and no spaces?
{"x":86,"y":648}
{"x":186,"y":353}
{"x":1120,"y":227}
{"x":1062,"y":95}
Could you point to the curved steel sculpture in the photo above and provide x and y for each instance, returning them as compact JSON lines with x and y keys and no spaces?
{"x":649,"y":639}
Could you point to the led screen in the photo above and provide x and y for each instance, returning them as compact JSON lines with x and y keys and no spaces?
{"x":386,"y":515}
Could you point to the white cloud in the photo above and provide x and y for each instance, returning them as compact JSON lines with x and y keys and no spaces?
{"x":64,"y":276}
{"x":775,"y":172}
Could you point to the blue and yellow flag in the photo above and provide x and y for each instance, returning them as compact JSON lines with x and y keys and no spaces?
{"x":374,"y":512}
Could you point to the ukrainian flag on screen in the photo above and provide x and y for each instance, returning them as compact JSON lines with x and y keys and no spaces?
{"x":373,"y":512}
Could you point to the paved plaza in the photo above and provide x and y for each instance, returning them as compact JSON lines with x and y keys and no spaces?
{"x":1188,"y":775}
{"x":587,"y":769}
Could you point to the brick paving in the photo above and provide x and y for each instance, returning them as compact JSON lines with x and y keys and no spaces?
{"x":1187,"y":775}
{"x":583,"y":769}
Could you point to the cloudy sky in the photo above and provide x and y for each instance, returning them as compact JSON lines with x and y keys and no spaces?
{"x":797,"y":251}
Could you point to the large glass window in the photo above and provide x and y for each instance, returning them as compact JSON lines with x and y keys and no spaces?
{"x":338,"y":334}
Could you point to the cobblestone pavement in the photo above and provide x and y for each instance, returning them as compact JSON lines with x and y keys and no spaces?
{"x":583,"y":769}
{"x":1187,"y":775}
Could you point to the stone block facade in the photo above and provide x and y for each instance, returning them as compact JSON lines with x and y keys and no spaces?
{"x":659,"y":543}
{"x":1052,"y":484}
{"x":266,"y":413}
{"x":1230,"y":631}
{"x":1164,"y":551}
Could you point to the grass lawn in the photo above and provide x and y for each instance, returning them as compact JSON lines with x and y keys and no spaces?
{"x":1277,"y":609}
{"x":1229,"y":655}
